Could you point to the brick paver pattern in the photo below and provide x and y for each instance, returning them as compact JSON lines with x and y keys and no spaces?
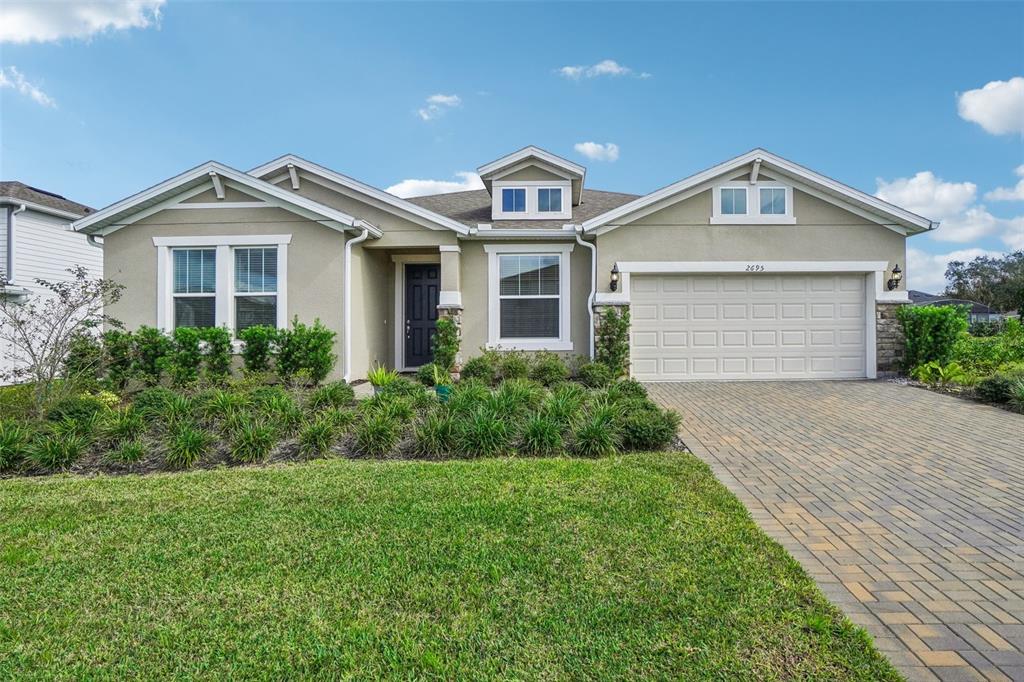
{"x":905,"y":505}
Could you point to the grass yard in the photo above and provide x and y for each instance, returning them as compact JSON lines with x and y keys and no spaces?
{"x":630,"y":566}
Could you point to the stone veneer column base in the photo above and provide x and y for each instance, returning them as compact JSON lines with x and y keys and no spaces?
{"x":890,"y":343}
{"x":453,"y":313}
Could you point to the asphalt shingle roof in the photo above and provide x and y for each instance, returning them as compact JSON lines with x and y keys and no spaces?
{"x":19,"y":190}
{"x":474,"y":207}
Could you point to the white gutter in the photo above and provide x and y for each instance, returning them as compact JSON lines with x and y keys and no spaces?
{"x":90,"y":239}
{"x":593,"y":283}
{"x":348,"y":300}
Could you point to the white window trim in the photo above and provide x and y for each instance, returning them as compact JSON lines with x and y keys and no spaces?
{"x":532,"y":202}
{"x":494,"y":340}
{"x":501,"y":202}
{"x":225,"y":294}
{"x":561,"y":201}
{"x":753,"y":216}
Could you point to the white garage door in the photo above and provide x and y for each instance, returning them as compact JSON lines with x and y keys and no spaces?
{"x":707,"y":327}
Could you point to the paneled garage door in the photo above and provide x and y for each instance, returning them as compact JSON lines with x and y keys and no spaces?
{"x":707,"y":327}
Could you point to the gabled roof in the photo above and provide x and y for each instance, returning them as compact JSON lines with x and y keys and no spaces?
{"x":41,"y":200}
{"x":881,"y":211}
{"x":116,"y":215}
{"x":575,"y":172}
{"x":473,"y":208}
{"x":389,"y":201}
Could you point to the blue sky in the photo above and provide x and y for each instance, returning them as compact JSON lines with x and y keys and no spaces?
{"x":889,"y":98}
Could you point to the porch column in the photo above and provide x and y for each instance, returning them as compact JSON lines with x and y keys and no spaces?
{"x":449,"y":303}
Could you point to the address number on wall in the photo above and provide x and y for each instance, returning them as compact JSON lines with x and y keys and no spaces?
{"x":755,"y":268}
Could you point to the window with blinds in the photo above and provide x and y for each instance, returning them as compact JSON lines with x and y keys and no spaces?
{"x":529,"y":296}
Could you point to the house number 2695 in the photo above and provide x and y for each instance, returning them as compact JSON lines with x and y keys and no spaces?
{"x":755,"y":268}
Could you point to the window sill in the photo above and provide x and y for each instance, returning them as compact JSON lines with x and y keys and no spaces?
{"x":540,"y":344}
{"x":752,"y":220}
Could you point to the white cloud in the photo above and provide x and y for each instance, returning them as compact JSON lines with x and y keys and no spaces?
{"x":1015,"y":193}
{"x":998,"y":107}
{"x":10,"y":77}
{"x":419,"y":188}
{"x":597,"y":151}
{"x":1013,"y":235}
{"x":927,"y":271}
{"x":606,"y":67}
{"x":437,"y":105}
{"x":951,"y":203}
{"x":37,"y":21}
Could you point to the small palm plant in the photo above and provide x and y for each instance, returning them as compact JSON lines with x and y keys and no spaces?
{"x":380,"y":376}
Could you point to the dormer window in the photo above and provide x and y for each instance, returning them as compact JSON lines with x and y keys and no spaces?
{"x":549,"y":200}
{"x":513,"y":200}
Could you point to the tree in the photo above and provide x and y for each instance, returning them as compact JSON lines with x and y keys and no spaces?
{"x":40,"y":331}
{"x":995,"y":281}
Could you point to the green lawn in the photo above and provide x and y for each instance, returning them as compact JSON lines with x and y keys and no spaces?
{"x":639,"y":565}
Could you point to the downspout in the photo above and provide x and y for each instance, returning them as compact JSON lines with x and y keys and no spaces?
{"x":11,"y":212}
{"x":593,"y":283}
{"x":90,"y":239}
{"x":348,"y":301}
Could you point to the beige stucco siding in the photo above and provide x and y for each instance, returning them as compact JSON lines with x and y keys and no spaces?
{"x":475,"y":298}
{"x":372,"y":310}
{"x":681,"y":232}
{"x":315,"y":260}
{"x":531,"y":174}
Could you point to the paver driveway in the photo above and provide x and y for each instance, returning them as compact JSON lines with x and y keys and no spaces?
{"x":906,"y":506}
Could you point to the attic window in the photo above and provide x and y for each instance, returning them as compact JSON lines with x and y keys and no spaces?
{"x":513,"y":200}
{"x":549,"y":200}
{"x":734,"y":201}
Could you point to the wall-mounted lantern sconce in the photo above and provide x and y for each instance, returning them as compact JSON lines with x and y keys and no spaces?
{"x":897,"y":275}
{"x":614,"y":284}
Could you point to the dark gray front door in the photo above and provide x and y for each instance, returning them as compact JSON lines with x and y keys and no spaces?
{"x":422,"y":286}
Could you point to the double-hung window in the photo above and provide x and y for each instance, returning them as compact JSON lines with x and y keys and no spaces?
{"x":255,"y":287}
{"x":195,"y":287}
{"x":528,"y":297}
{"x":513,"y":200}
{"x":549,"y":200}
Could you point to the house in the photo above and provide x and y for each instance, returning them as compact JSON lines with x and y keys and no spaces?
{"x":36,"y":242}
{"x":756,"y":268}
{"x":976,"y":312}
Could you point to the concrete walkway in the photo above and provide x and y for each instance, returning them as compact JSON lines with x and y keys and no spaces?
{"x":905,"y":505}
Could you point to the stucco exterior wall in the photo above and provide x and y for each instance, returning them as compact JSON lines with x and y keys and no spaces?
{"x":373,"y":306}
{"x":531,"y":173}
{"x":682,"y":232}
{"x":315,"y":261}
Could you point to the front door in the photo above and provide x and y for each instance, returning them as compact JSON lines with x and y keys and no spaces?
{"x":422,"y":285}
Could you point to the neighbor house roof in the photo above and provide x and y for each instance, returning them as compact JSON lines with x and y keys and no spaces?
{"x":805,"y":179}
{"x":473,"y":208}
{"x":921,"y":298}
{"x":40,"y":199}
{"x":209,"y":174}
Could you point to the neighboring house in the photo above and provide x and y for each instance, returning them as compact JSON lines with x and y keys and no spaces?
{"x":755,"y":268}
{"x":976,"y":312}
{"x":36,"y":241}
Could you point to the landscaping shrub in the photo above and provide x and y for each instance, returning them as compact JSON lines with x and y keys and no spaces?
{"x":648,"y":429}
{"x":984,"y":355}
{"x":125,"y":424}
{"x":14,"y":442}
{"x":483,"y":367}
{"x":334,"y":394}
{"x":308,"y":349}
{"x":542,"y":436}
{"x":222,"y":403}
{"x":128,"y":452}
{"x":514,"y":399}
{"x":75,"y":407}
{"x":564,"y":406}
{"x":396,"y":407}
{"x":514,"y":365}
{"x":1017,"y":395}
{"x":377,"y":434}
{"x":150,"y":402}
{"x":611,"y":341}
{"x":315,"y":438}
{"x":380,"y":376}
{"x":84,"y":360}
{"x":998,"y":388}
{"x":425,"y":374}
{"x":179,"y":409}
{"x":340,"y":419}
{"x":594,"y":374}
{"x":217,"y":359}
{"x":435,"y":436}
{"x":186,"y":445}
{"x":446,"y":344}
{"x":185,"y":357}
{"x":281,"y":410}
{"x":109,"y":399}
{"x":252,"y":441}
{"x":56,"y":451}
{"x":151,"y":350}
{"x":596,"y":437}
{"x":627,"y":388}
{"x":484,"y":435}
{"x":264,"y":395}
{"x":941,"y":375}
{"x":931,"y":332}
{"x":411,"y":391}
{"x":17,"y":402}
{"x":548,"y":369}
{"x":119,"y":356}
{"x":260,"y":343}
{"x":84,"y":427}
{"x":467,"y":396}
